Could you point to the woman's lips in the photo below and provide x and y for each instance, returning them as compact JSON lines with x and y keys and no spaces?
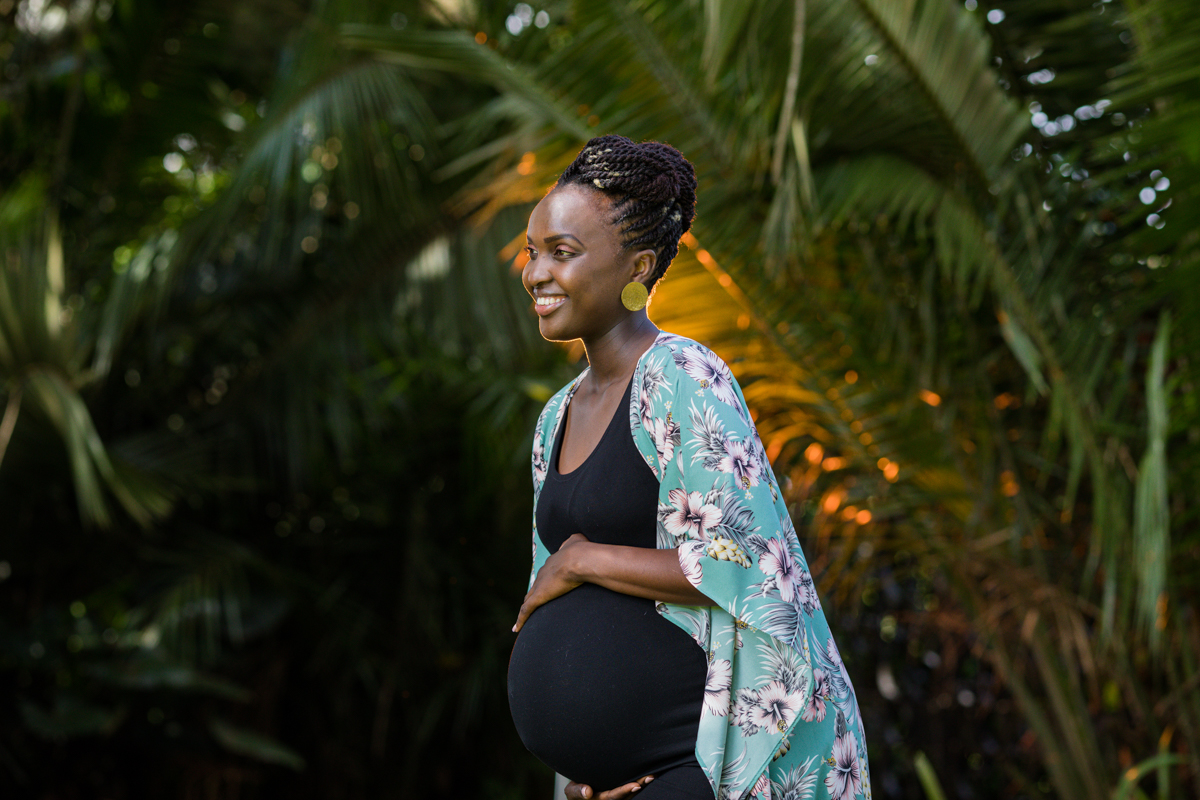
{"x":547,"y":305}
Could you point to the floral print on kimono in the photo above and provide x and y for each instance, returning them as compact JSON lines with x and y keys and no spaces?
{"x":779,"y":718}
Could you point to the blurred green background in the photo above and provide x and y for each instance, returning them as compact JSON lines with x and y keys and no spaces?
{"x":268,"y":378}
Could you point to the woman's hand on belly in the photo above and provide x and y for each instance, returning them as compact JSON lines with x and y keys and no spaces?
{"x":555,"y":578}
{"x":638,"y":571}
{"x":579,"y":791}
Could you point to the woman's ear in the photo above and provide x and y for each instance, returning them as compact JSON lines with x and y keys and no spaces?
{"x":644,"y":263}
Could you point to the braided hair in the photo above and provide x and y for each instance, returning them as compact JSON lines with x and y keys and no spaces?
{"x":653,"y":188}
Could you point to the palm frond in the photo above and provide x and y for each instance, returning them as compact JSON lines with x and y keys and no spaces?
{"x":41,"y":364}
{"x":947,"y":56}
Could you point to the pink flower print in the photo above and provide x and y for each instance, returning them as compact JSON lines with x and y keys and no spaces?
{"x":741,"y":462}
{"x":716,"y":687}
{"x":778,"y":563}
{"x":689,"y":559}
{"x":762,"y":788}
{"x":844,"y":780}
{"x":539,"y":461}
{"x":806,"y":592}
{"x":706,"y":368}
{"x":776,"y":707}
{"x":666,"y":435}
{"x":815,"y":710}
{"x":692,"y":517}
{"x":647,"y":411}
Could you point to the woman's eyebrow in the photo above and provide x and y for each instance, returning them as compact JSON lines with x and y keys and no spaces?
{"x":556,"y":238}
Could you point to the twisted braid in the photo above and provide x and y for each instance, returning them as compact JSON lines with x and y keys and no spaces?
{"x":653,"y":188}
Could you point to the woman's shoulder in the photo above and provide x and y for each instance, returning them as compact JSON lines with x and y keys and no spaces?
{"x":687,"y":368}
{"x":674,"y":354}
{"x":682,"y":349}
{"x":667,"y":342}
{"x":556,"y":401}
{"x":689,"y":359}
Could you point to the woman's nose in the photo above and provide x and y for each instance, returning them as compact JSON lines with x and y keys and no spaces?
{"x":534,"y":273}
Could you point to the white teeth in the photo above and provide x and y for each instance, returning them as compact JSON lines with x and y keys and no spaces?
{"x":548,"y":301}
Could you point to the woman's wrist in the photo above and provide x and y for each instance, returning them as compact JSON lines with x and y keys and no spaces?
{"x":583,"y":562}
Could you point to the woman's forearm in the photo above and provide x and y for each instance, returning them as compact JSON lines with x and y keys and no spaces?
{"x":637,"y":571}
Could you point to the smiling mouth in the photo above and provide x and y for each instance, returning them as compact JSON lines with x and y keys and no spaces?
{"x":547,"y":303}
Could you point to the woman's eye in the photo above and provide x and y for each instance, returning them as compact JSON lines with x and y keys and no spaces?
{"x":560,"y":252}
{"x":529,"y":251}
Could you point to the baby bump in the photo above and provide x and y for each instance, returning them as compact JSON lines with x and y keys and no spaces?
{"x":603,"y":689}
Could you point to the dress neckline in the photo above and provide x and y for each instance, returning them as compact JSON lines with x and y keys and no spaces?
{"x":560,"y":434}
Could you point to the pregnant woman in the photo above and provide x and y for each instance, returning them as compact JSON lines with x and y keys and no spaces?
{"x":671,"y":644}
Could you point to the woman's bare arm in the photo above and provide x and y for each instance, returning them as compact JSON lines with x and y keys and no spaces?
{"x":637,"y":571}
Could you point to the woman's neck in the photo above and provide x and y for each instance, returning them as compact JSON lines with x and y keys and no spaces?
{"x":612,"y":356}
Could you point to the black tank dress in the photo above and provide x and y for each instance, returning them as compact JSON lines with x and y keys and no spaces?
{"x":602,"y":688}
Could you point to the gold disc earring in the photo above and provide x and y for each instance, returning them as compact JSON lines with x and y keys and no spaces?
{"x":634,"y":296}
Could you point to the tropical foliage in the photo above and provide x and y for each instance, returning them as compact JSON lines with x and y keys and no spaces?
{"x":268,"y":384}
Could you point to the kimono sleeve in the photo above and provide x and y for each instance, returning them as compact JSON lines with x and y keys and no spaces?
{"x":543,"y":434}
{"x":720,"y":505}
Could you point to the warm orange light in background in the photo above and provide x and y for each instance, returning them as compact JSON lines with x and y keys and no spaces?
{"x":528,"y":162}
{"x":851,"y":377}
{"x":832,"y":501}
{"x":725,"y":280}
{"x":481,"y":38}
{"x":515,"y":250}
{"x":862,"y":517}
{"x":931,"y":398}
{"x":688,"y":240}
{"x":1008,"y":484}
{"x":814,"y":452}
{"x":705,"y":258}
{"x":1006,"y":400}
{"x":833,"y":463}
{"x":849,"y":513}
{"x":891,"y":471}
{"x":743,"y":321}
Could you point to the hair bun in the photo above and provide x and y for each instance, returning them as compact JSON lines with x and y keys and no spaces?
{"x":652,"y":185}
{"x":665,"y":186}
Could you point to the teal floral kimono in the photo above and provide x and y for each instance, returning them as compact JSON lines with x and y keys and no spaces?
{"x":780,"y":719}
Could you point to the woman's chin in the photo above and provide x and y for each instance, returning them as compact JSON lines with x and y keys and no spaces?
{"x":552,"y":332}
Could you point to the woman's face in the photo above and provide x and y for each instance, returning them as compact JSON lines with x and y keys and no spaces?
{"x":577,"y":266}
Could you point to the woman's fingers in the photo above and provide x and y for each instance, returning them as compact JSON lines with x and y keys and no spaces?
{"x":627,"y":790}
{"x":551,"y":582}
{"x":536,"y":597}
{"x":529,"y":604}
{"x":579,"y":791}
{"x":523,"y":614}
